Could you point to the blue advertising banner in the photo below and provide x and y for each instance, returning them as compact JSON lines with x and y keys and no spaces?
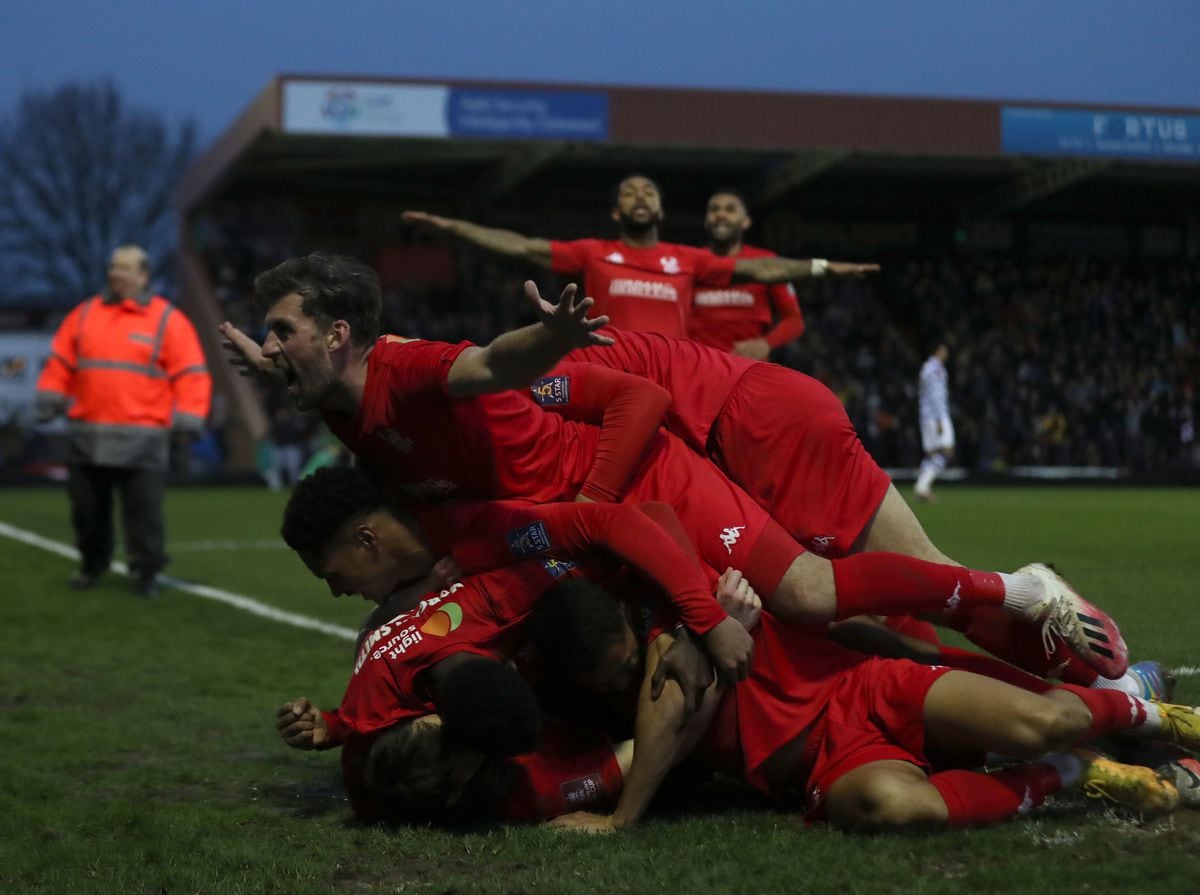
{"x":565,"y":115}
{"x":1100,"y":133}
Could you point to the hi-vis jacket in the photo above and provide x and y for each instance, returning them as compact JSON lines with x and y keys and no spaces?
{"x":133,"y":369}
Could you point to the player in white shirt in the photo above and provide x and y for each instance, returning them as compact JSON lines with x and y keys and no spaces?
{"x":937,"y":430}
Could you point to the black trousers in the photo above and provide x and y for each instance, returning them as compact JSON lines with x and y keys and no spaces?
{"x":91,"y":489}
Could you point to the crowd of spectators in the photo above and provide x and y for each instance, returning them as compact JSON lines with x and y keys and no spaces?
{"x":1053,"y":363}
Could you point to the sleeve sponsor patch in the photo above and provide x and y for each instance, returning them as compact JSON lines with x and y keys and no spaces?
{"x":528,"y":541}
{"x":551,"y":390}
{"x":582,"y":791}
{"x":558,"y":567}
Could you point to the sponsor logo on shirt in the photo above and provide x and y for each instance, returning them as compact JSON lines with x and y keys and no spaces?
{"x":400,"y":634}
{"x":557,"y":567}
{"x":670,"y":264}
{"x":643,"y":289}
{"x":528,"y":541}
{"x":729,"y":536}
{"x":550,"y":390}
{"x":615,"y":258}
{"x":582,"y":790}
{"x":724,"y":298}
{"x":445,"y":620}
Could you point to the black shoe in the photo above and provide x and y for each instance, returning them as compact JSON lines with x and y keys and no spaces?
{"x":148,"y":586}
{"x":83,"y":580}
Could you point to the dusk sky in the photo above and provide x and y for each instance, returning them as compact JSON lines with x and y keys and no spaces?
{"x":208,"y":60}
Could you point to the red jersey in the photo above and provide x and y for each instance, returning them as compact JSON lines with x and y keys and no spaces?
{"x":723,"y":316}
{"x":482,"y":615}
{"x":642,"y":289}
{"x":432,"y":446}
{"x":572,"y":769}
{"x":490,"y":535}
{"x":699,"y":378}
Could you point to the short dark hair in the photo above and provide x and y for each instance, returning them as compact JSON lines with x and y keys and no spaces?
{"x":731,"y":191}
{"x":573,"y":625}
{"x":331,"y":287}
{"x":616,"y":193}
{"x":322,"y":503}
{"x":487,"y":706}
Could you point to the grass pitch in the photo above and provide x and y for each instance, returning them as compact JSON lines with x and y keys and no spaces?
{"x":139,"y":753}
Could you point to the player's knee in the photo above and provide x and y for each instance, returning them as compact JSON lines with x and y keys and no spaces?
{"x":807,"y":594}
{"x":889,"y":804}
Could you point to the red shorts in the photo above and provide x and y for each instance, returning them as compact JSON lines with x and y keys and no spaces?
{"x":786,"y":439}
{"x":876,"y":713}
{"x":726,"y":526}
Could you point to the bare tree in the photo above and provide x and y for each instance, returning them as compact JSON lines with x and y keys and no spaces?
{"x":81,"y":173}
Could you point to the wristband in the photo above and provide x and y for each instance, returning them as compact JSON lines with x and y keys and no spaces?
{"x":819,"y":267}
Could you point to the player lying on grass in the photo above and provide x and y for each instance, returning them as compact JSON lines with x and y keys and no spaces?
{"x":785,"y":439}
{"x":856,"y":735}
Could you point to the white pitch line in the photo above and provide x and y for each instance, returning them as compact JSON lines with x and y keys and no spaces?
{"x":238,"y":601}
{"x":1186,"y":671}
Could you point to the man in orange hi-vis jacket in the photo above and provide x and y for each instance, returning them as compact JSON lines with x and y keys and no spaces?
{"x":127,"y":368}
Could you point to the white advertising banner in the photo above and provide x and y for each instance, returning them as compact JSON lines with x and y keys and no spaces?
{"x":345,"y":107}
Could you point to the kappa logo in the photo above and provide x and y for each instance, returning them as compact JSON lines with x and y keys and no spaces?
{"x":528,"y":541}
{"x":551,"y":390}
{"x":956,"y":597}
{"x":670,"y":264}
{"x":729,"y":536}
{"x":821,"y":543}
{"x":615,"y":258}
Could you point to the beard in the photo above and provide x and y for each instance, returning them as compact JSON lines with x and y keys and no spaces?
{"x":631,"y":225}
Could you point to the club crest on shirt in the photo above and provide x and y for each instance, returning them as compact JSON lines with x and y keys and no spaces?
{"x":557,"y":567}
{"x":528,"y":541}
{"x":551,"y":390}
{"x":670,"y":264}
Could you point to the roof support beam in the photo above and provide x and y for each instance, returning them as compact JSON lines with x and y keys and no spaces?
{"x":1037,"y":181}
{"x":801,"y":167}
{"x":523,"y":163}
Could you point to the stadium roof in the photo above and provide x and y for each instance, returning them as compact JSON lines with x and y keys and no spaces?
{"x":481,"y":144}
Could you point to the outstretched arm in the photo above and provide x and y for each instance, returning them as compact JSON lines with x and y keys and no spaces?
{"x":781,"y":270}
{"x":502,"y":242}
{"x":513,"y":359}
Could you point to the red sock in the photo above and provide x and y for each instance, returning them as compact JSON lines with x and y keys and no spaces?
{"x":986,"y":665}
{"x":1112,"y":711}
{"x":973,"y":798}
{"x":1019,"y":642}
{"x":894,"y":584}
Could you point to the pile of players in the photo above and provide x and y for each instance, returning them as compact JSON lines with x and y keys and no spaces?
{"x":544,"y":537}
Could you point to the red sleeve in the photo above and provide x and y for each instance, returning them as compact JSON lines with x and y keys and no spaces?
{"x":570,"y":257}
{"x":501,"y":532}
{"x":790,"y":322}
{"x":573,"y":769}
{"x":417,"y":365}
{"x":629,"y":409}
{"x":712,"y":270}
